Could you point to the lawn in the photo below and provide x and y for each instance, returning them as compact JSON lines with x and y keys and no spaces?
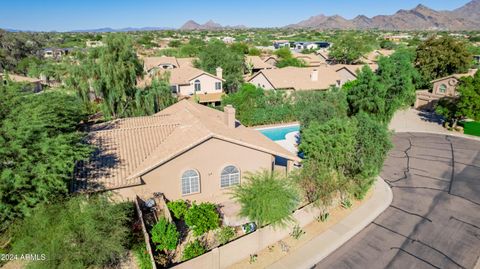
{"x":471,"y":128}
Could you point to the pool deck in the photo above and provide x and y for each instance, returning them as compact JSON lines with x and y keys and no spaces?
{"x":275,"y":125}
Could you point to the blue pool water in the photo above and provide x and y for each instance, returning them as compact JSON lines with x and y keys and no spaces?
{"x":278,"y":133}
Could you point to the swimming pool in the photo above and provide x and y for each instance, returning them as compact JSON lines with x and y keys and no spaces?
{"x":279,"y":133}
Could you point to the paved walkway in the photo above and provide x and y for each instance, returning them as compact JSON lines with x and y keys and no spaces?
{"x":434,"y":220}
{"x":321,"y":246}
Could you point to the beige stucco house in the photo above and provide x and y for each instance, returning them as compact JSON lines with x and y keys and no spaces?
{"x":255,"y":64}
{"x":185,"y":80}
{"x":187,"y":151}
{"x":442,"y":87}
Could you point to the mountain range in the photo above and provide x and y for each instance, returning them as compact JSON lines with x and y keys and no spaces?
{"x":209,"y":25}
{"x":421,"y":17}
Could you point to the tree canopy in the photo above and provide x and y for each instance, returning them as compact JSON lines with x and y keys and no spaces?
{"x":40,"y":143}
{"x":78,"y":233}
{"x":217,"y":54}
{"x":442,"y":56}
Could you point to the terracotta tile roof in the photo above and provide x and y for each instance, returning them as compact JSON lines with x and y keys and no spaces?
{"x":131,"y":147}
{"x":152,"y":62}
{"x":300,"y":78}
{"x":470,"y":73}
{"x":310,"y":59}
{"x":186,"y":62}
{"x":354,"y":68}
{"x":258,"y":63}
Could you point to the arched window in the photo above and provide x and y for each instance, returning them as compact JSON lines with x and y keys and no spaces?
{"x":442,"y":88}
{"x":197,"y":86}
{"x":230,"y":176}
{"x":190,"y":182}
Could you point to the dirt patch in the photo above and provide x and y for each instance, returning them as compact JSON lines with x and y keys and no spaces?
{"x":288,"y":244}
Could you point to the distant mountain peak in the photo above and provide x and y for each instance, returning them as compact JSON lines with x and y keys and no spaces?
{"x":420,"y":17}
{"x":193,"y":25}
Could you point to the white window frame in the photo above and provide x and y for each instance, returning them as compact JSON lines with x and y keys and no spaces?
{"x":230,"y":179}
{"x":218,"y":85}
{"x":195,"y":83}
{"x":189,"y":182}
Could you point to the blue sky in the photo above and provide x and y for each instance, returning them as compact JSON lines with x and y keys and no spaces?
{"x":87,"y":14}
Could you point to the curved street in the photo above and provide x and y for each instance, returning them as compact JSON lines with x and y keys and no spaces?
{"x":434,"y":219}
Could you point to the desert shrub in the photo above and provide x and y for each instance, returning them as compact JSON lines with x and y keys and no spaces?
{"x":267,"y":197}
{"x":165,"y":235}
{"x":225,"y":234}
{"x":193,"y":249}
{"x":78,"y":233}
{"x":202,"y":218}
{"x":179,"y":208}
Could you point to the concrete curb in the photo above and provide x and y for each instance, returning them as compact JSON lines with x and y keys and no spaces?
{"x":329,"y":241}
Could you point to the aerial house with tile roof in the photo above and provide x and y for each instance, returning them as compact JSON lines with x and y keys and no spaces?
{"x":187,"y":151}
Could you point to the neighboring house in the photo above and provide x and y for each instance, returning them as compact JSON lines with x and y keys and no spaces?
{"x":281,"y":43}
{"x":311,"y":45}
{"x":186,"y":81}
{"x":372,"y":57}
{"x":296,"y":78}
{"x":442,"y":87}
{"x":228,"y":40}
{"x":153,"y":64}
{"x":348,"y":72}
{"x":56,"y":53}
{"x":94,"y":43}
{"x":271,"y":60}
{"x":255,"y":64}
{"x":397,"y":38}
{"x":34,"y":84}
{"x":311,"y":60}
{"x":324,"y":56}
{"x":187,"y":151}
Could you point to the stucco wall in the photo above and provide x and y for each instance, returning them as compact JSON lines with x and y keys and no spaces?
{"x":261,"y":81}
{"x":207,"y":84}
{"x":451,"y":84}
{"x":345,"y":76}
{"x":209,"y":159}
{"x":240,"y":249}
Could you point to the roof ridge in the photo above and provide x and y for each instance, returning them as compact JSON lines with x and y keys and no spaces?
{"x":136,"y":127}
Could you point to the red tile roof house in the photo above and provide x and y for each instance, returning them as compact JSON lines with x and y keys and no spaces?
{"x":187,"y":151}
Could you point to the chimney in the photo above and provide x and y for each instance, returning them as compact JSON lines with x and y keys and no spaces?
{"x":314,"y":75}
{"x":229,"y":114}
{"x":220,"y":72}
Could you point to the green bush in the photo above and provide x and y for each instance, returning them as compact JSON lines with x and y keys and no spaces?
{"x":142,"y":256}
{"x":179,"y":208}
{"x":202,"y":218}
{"x":165,"y":235}
{"x":266,"y":198}
{"x":225,"y":234}
{"x":79,"y":233}
{"x":193,"y":249}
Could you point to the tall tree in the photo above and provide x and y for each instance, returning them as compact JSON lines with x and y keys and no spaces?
{"x":367,"y":94}
{"x":40,"y":143}
{"x":217,"y":54}
{"x":399,"y":76}
{"x":348,"y":48}
{"x":442,"y":56}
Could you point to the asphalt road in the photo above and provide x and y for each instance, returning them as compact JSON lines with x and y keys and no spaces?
{"x":434,"y":219}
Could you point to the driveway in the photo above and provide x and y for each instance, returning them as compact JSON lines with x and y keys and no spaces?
{"x":434,"y":219}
